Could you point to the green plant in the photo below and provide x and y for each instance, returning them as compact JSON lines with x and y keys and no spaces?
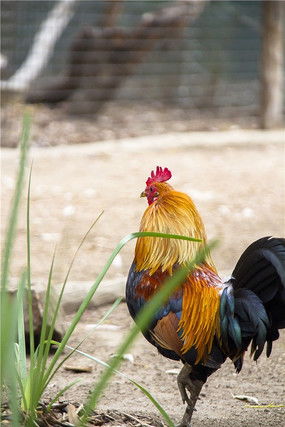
{"x":10,"y":308}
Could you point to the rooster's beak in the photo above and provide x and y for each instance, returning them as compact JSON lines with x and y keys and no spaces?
{"x":143,"y":194}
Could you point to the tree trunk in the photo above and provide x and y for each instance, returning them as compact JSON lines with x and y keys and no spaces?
{"x":272,"y":64}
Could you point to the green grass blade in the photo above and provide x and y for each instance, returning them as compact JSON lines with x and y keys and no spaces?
{"x":29,"y":284}
{"x":142,"y":321}
{"x":21,"y":385}
{"x":164,"y":235}
{"x":21,"y":328}
{"x":44,"y":343}
{"x":11,"y":228}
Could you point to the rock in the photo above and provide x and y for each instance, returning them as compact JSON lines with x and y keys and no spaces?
{"x":38,"y":299}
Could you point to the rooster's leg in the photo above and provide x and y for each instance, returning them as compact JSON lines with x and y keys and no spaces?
{"x":193,"y":386}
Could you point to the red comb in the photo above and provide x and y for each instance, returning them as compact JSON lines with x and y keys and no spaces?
{"x":160,"y":175}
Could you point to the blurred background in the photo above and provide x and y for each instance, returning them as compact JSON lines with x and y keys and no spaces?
{"x":155,"y":66}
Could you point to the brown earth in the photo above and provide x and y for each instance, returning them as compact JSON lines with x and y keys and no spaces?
{"x":239,"y":189}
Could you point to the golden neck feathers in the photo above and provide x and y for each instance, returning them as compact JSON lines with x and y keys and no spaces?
{"x":175,"y":213}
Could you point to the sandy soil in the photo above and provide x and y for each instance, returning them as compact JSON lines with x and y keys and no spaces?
{"x":240,"y":193}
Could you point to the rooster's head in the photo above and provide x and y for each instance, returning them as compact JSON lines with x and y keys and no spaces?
{"x":155,"y":184}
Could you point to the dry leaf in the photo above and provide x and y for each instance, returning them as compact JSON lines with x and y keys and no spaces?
{"x":72,"y":414}
{"x":249,"y":399}
{"x":78,"y":368}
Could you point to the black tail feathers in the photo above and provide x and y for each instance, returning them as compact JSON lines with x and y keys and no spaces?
{"x":253,"y":302}
{"x":261,"y":269}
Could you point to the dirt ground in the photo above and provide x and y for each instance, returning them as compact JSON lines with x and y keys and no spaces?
{"x":240,"y":192}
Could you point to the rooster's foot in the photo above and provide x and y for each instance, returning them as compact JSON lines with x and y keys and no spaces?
{"x":193,"y":387}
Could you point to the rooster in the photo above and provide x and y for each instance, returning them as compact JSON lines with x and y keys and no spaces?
{"x":205,"y":321}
